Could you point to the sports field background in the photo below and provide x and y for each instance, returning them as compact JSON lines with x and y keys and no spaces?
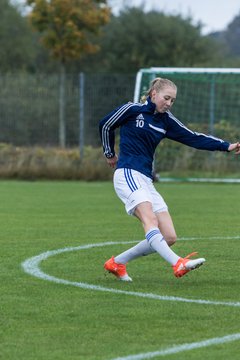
{"x":43,"y":320}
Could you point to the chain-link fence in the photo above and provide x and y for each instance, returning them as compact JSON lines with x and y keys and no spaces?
{"x":29,"y":115}
{"x":29,"y":106}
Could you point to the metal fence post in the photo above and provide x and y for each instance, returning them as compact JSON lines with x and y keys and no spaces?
{"x":212,"y":105}
{"x":81,"y":114}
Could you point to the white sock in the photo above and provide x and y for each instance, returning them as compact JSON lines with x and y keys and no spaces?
{"x":141,"y":249}
{"x":159,"y":244}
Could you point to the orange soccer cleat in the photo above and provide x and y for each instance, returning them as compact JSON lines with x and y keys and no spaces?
{"x":119,"y":270}
{"x":184,"y":265}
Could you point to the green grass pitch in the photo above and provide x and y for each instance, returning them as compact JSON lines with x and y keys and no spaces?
{"x":43,"y":320}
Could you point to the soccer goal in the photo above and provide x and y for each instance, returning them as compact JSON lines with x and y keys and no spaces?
{"x":208,"y":101}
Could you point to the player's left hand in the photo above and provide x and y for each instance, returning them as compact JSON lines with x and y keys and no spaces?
{"x":235,"y":147}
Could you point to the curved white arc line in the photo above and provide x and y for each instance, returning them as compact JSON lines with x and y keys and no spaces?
{"x":183,"y":347}
{"x":31,"y":266}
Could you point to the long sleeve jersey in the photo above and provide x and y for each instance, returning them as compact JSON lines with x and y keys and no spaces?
{"x":142,"y":129}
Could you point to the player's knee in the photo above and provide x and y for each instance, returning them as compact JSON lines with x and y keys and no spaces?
{"x":171,"y":239}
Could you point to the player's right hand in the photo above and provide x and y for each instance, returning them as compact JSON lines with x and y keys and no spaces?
{"x":113,"y":161}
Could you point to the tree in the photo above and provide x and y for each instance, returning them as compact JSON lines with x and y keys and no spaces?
{"x":231,"y":36}
{"x":136,"y":39}
{"x":16,"y":50}
{"x":65,"y":27}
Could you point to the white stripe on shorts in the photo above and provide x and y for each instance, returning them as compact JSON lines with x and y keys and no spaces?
{"x":130,"y":180}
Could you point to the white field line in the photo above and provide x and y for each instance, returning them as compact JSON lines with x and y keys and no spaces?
{"x":32,"y":266}
{"x":201,"y":180}
{"x":184,"y":347}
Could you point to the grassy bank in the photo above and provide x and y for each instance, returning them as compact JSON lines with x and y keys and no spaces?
{"x":172,"y":160}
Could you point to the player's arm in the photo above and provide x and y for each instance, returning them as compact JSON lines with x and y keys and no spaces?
{"x":107,"y":128}
{"x":179,"y":132}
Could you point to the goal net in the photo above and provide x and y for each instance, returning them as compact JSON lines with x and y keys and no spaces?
{"x":208,"y":101}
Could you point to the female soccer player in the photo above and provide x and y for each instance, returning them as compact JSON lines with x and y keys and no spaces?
{"x":142,"y":127}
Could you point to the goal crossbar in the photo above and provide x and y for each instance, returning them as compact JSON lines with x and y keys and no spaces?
{"x":183,"y":70}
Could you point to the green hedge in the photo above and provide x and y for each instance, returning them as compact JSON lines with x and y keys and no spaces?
{"x":52,"y":163}
{"x":172,"y":159}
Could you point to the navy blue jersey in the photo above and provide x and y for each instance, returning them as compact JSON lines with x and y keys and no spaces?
{"x":142,"y":129}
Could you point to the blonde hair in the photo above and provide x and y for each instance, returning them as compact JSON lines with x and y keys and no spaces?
{"x":158,"y":84}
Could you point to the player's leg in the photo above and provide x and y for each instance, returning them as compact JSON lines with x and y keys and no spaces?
{"x":117,"y":264}
{"x":143,"y":248}
{"x":149,"y":220}
{"x":154,"y":240}
{"x":131,"y":189}
{"x":180,"y":266}
{"x":166,"y":227}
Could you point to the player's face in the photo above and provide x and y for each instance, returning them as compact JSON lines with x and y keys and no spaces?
{"x":164,"y":99}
